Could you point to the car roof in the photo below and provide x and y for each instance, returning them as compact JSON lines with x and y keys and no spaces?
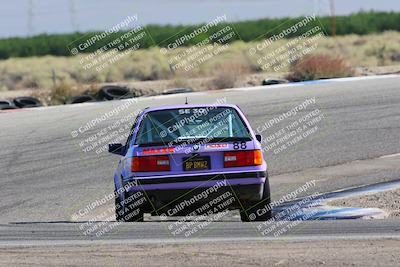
{"x":190,"y":106}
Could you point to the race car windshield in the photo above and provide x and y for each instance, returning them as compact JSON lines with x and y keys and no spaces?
{"x":192,"y":125}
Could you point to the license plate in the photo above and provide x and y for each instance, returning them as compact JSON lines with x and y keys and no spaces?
{"x":196,"y":163}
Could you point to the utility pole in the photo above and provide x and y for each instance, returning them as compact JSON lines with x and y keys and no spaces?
{"x":72,"y":12}
{"x":30,"y":18}
{"x":333,"y":18}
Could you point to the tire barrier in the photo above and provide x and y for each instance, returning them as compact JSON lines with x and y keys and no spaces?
{"x":81,"y":99}
{"x":4,"y":104}
{"x":273,"y":81}
{"x":177,"y":91}
{"x":113,"y":92}
{"x":27,"y":102}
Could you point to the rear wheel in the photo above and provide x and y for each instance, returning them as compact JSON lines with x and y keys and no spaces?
{"x":123,"y":213}
{"x":118,"y":209}
{"x":259,"y":210}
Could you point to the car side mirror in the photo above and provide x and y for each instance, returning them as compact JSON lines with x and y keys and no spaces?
{"x":258,"y":137}
{"x":117,"y":149}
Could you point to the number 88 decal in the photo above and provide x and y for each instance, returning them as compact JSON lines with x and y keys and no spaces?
{"x":241,"y":145}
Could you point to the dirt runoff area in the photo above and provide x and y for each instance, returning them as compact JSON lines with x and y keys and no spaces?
{"x":380,"y":252}
{"x":387,"y":200}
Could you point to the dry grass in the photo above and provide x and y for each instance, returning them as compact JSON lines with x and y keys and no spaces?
{"x":147,"y":65}
{"x":63,"y":91}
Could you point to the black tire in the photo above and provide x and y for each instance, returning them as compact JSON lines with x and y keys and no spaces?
{"x":249,"y":214}
{"x":112,"y":92}
{"x":81,"y":99}
{"x":177,"y":91}
{"x":124,"y":214}
{"x":27,"y":102}
{"x":9,"y":107}
{"x":273,"y":81}
{"x":4,"y":104}
{"x":118,"y":209}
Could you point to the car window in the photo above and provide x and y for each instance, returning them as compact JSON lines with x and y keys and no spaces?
{"x":189,"y":124}
{"x":131,"y":132}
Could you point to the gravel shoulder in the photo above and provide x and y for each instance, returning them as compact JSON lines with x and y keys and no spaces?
{"x":388,"y":201}
{"x":380,"y":252}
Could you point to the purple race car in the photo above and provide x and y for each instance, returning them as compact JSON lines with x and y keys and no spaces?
{"x":191,"y":160}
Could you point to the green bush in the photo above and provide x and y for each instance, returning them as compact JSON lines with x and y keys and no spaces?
{"x":56,"y":44}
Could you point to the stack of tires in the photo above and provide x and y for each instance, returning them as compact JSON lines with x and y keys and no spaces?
{"x":81,"y":99}
{"x":177,"y":91}
{"x":4,"y":104}
{"x":113,"y":92}
{"x":20,"y":102}
{"x":106,"y":93}
{"x":26,"y":102}
{"x":273,"y":81}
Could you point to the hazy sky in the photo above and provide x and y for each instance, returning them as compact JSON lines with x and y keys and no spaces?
{"x":30,"y":17}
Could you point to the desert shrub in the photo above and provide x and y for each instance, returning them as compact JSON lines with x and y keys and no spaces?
{"x":360,"y":42}
{"x":180,"y":82}
{"x":314,"y":67}
{"x":228,"y":73}
{"x":92,"y":89}
{"x":113,"y":75}
{"x":395,"y":57}
{"x":61,"y":92}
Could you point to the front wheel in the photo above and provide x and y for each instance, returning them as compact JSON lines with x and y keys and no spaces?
{"x":258,"y":210}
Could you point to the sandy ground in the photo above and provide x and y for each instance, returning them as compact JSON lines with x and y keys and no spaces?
{"x":272,"y":253}
{"x":388,"y":201}
{"x":156,"y":87}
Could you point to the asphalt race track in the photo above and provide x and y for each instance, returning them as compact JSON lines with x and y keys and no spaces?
{"x":46,"y":177}
{"x":139,"y":233}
